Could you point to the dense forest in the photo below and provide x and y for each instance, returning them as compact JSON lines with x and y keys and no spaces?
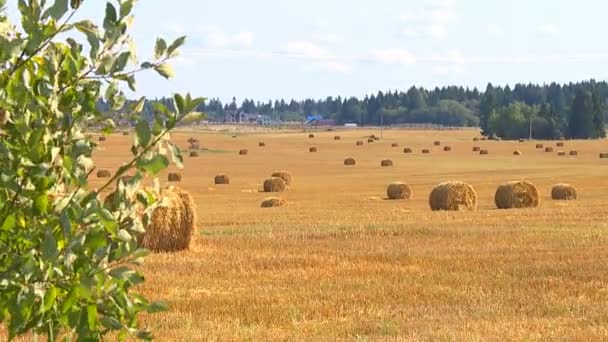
{"x":574,"y":110}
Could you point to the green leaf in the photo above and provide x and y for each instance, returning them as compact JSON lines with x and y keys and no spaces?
{"x":9,"y":223}
{"x":176,"y":155}
{"x":49,"y":298}
{"x":92,"y":316}
{"x":49,"y":247}
{"x":165,"y":70}
{"x":121,"y":62}
{"x":160,"y":48}
{"x":41,"y":204}
{"x":110,"y":20}
{"x":179,"y":103}
{"x":125,"y":8}
{"x":90,"y":31}
{"x":154,"y":165}
{"x":59,"y":8}
{"x":143,"y":134}
{"x":176,"y":44}
{"x":138,"y":106}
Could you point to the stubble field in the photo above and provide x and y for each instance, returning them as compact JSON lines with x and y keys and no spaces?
{"x":340,"y":262}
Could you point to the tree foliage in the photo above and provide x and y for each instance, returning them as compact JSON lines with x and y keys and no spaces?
{"x":66,"y":257}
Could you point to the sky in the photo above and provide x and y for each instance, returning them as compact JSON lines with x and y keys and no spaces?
{"x":269,"y":49}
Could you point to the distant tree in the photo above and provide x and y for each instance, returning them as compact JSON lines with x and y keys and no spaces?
{"x":581,"y":125}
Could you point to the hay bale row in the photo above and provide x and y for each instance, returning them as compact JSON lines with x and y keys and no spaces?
{"x":484,"y":152}
{"x":243,"y":152}
{"x":394,"y":145}
{"x":561,"y":153}
{"x":103,"y":173}
{"x":476,"y":148}
{"x":274,"y":184}
{"x":453,"y":196}
{"x":549,"y":149}
{"x":517,"y":153}
{"x":370,"y":140}
{"x":603,"y":155}
{"x":310,"y":136}
{"x":426,"y":151}
{"x":437,"y":143}
{"x":337,"y":137}
{"x":261,"y":144}
{"x":273,"y":202}
{"x":102,"y":139}
{"x":172,"y":225}
{"x":174,"y":177}
{"x":193,"y":154}
{"x":398,"y":190}
{"x":573,"y":153}
{"x":221,"y":180}
{"x":312,"y":149}
{"x":560,"y":144}
{"x":286,"y":176}
{"x":359,"y":143}
{"x":408,"y":150}
{"x":564,"y":192}
{"x":516,"y":194}
{"x":386,"y":163}
{"x":447,"y":148}
{"x":350,"y":162}
{"x":539,"y":146}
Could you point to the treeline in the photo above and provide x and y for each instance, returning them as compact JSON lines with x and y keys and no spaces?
{"x":574,"y":110}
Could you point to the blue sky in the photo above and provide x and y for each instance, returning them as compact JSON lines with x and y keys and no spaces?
{"x":268,"y":49}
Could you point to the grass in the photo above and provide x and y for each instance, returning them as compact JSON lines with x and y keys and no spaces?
{"x":340,"y":263}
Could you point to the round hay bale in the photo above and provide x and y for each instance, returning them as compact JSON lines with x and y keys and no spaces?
{"x":312,"y":149}
{"x":564,"y":192}
{"x":125,"y":133}
{"x":398,"y":190}
{"x":234,"y":136}
{"x":274,"y":184}
{"x":408,"y":150}
{"x":476,"y":148}
{"x":516,"y":194}
{"x":102,"y":139}
{"x":549,"y":149}
{"x":560,"y":144}
{"x":337,"y":137}
{"x":453,"y":196}
{"x":484,"y":152}
{"x":286,"y":176}
{"x":394,"y":145}
{"x":376,"y":138}
{"x":310,"y":136}
{"x":244,"y":152}
{"x":373,"y":136}
{"x":574,"y":153}
{"x":517,"y":153}
{"x":174,"y":177}
{"x":386,"y":163}
{"x":172,"y":225}
{"x":103,"y":173}
{"x":194,"y":154}
{"x":447,"y":148}
{"x":370,"y":140}
{"x":475,"y":139}
{"x":359,"y":143}
{"x":603,"y":155}
{"x":561,"y":153}
{"x":350,"y":162}
{"x":273,"y":202}
{"x":437,"y":143}
{"x":426,"y":151}
{"x":221,"y":179}
{"x":261,"y":144}
{"x":539,"y":146}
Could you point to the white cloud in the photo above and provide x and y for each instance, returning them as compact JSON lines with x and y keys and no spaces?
{"x":549,"y":29}
{"x":217,"y":38}
{"x":495,"y":30}
{"x":320,"y":56}
{"x":433,"y":19}
{"x":327,"y":37}
{"x":393,"y":56}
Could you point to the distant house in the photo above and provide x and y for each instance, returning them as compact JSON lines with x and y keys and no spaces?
{"x":246,"y":118}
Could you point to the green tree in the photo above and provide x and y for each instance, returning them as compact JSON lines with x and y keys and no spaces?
{"x":581,"y":125}
{"x":66,"y":257}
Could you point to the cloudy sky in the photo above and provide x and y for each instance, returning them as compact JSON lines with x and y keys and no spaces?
{"x":268,"y":49}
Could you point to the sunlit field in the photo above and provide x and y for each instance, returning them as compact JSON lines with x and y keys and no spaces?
{"x":341,"y":262}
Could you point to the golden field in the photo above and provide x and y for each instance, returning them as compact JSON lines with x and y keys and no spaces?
{"x":340,"y":262}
